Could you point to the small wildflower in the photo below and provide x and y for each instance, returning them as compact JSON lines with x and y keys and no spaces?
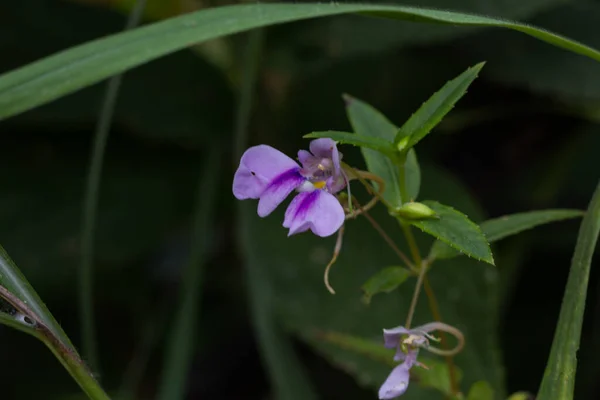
{"x":407,"y":343}
{"x":270,"y":176}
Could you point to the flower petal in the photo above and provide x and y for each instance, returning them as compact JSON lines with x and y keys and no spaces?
{"x":259,"y":166}
{"x":305,"y":157}
{"x":278,"y":189}
{"x":318,"y":211}
{"x":326,"y":148}
{"x":396,"y":383}
{"x":391,"y":337}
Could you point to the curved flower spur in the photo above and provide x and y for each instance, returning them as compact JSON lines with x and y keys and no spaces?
{"x":407,"y":343}
{"x":270,"y":176}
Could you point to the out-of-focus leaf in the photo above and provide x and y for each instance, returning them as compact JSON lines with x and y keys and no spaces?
{"x":82,"y":66}
{"x":559,"y":377}
{"x":436,"y":107}
{"x":499,"y":228}
{"x":350,"y":36}
{"x":145,"y":192}
{"x":481,"y":391}
{"x":295,"y":268}
{"x":384,"y":281}
{"x":169,"y":111}
{"x":289,"y":378}
{"x":456,"y":230}
{"x":520,"y":396}
{"x":519,"y":61}
{"x":436,"y":376}
{"x":362,"y":141}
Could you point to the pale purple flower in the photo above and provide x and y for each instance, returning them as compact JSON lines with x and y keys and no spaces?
{"x":269,"y":175}
{"x":407,"y":343}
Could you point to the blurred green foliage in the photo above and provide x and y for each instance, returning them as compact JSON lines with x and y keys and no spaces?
{"x":524,"y":137}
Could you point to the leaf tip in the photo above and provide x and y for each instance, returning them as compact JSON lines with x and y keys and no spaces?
{"x":348,"y":100}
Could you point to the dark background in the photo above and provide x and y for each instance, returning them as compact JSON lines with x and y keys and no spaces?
{"x":526,"y":136}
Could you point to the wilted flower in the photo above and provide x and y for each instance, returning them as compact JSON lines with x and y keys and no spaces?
{"x":270,"y":176}
{"x":407,"y":343}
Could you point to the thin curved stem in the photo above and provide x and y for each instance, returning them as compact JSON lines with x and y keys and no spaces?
{"x":435,"y":310}
{"x":90,"y":206}
{"x":415,"y":298}
{"x":336,"y":252}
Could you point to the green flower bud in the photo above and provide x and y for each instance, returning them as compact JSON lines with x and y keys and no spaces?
{"x":415,"y":211}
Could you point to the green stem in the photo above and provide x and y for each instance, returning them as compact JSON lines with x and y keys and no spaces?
{"x":415,"y":298}
{"x":180,"y":348}
{"x":30,"y":323}
{"x":90,"y":208}
{"x":249,"y":78}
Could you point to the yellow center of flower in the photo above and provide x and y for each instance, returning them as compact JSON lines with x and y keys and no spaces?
{"x":319,"y":184}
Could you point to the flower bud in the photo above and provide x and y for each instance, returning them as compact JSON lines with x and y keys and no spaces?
{"x":414,"y":211}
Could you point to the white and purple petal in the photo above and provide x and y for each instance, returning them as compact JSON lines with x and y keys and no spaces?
{"x":278,"y":189}
{"x":259,"y":167}
{"x":318,"y":211}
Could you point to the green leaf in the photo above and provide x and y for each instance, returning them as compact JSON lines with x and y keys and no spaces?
{"x":456,"y":230}
{"x":433,"y":110}
{"x":367,"y":121}
{"x":39,"y":322}
{"x":369,"y":142}
{"x":481,"y":391}
{"x":502,"y":227}
{"x":559,"y":377}
{"x":435,"y":377}
{"x":84,"y":65}
{"x":289,"y":379}
{"x":520,"y":396}
{"x":293,"y":267}
{"x":413,"y":175}
{"x":539,"y":68}
{"x":385,"y":281}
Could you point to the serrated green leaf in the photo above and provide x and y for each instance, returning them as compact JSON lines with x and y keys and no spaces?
{"x":481,"y":391}
{"x":384,"y":281}
{"x":559,"y":377}
{"x":438,"y":105}
{"x":369,"y":142}
{"x":498,"y":228}
{"x":456,"y":230}
{"x":84,"y":65}
{"x":367,"y":121}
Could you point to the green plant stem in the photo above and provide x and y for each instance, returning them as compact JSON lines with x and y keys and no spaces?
{"x":423,"y":267}
{"x":435,"y":311}
{"x":67,"y":356}
{"x":412,"y":244}
{"x":249,"y":77}
{"x":180,"y":347}
{"x":90,"y":207}
{"x":415,"y":298}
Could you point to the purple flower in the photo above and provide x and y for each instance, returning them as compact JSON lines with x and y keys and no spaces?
{"x":407,"y":343}
{"x":270,"y":176}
